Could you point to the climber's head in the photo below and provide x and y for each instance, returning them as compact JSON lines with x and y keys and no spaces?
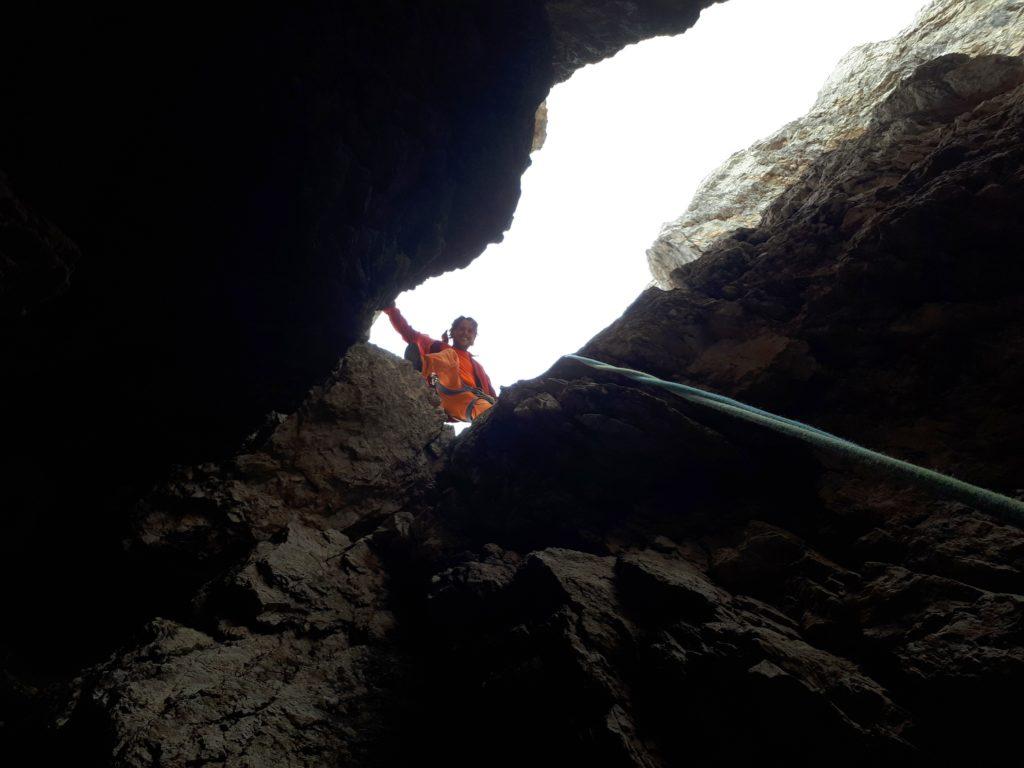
{"x":463,"y":332}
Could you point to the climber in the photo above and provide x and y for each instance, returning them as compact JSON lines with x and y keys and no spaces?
{"x":461,"y":381}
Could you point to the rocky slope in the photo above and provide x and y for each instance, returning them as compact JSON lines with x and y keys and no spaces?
{"x":737,"y":193}
{"x":660,"y":585}
{"x":282,"y":651}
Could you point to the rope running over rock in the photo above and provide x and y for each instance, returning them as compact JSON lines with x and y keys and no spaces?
{"x":1005,"y":507}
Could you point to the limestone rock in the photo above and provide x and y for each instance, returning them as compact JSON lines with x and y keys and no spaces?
{"x":362,"y":446}
{"x":184,"y":698}
{"x":288,"y":656}
{"x":586,"y":32}
{"x":798,"y":314}
{"x":540,"y":127}
{"x":855,"y":94}
{"x":589,"y":652}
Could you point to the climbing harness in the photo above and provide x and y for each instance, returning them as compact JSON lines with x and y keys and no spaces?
{"x":1008,"y":508}
{"x":461,"y":401}
{"x":478,"y":396}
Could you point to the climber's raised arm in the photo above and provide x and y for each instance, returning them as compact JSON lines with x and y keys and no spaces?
{"x":406,"y":331}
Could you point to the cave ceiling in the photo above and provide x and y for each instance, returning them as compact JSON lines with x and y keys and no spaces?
{"x":202,"y":208}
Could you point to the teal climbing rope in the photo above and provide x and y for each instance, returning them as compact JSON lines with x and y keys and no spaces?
{"x":973,"y":495}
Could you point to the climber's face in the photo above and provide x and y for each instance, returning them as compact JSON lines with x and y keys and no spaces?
{"x":463,"y":334}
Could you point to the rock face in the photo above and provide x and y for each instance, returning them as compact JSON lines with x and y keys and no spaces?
{"x":540,"y":128}
{"x":659,"y":587}
{"x":633,"y":581}
{"x":585,"y":32}
{"x":36,"y":259}
{"x":738,"y":193}
{"x":360,"y":447}
{"x":880,"y":298}
{"x":237,"y":193}
{"x":286,"y":655}
{"x":911,"y":220}
{"x":600,"y":573}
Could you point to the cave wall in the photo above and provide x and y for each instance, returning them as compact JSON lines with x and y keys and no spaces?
{"x":246,"y":190}
{"x":661,"y":584}
{"x":202,"y":208}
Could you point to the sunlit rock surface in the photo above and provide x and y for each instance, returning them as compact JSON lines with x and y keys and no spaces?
{"x":738,"y":192}
{"x":901,"y":238}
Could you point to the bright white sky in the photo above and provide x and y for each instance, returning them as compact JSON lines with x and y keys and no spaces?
{"x":628,"y":142}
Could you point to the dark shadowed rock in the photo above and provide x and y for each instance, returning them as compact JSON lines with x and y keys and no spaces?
{"x":361,"y":446}
{"x":289,"y":655}
{"x":586,"y":32}
{"x":642,"y":661}
{"x":734,"y":617}
{"x":36,"y":259}
{"x":244,"y":191}
{"x":184,"y":698}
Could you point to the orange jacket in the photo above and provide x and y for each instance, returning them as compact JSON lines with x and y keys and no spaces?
{"x":460,"y":402}
{"x":471,"y":372}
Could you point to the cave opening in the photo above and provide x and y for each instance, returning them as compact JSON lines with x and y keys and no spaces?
{"x":628,"y":142}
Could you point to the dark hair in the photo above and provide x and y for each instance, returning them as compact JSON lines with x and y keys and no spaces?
{"x":460,"y":318}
